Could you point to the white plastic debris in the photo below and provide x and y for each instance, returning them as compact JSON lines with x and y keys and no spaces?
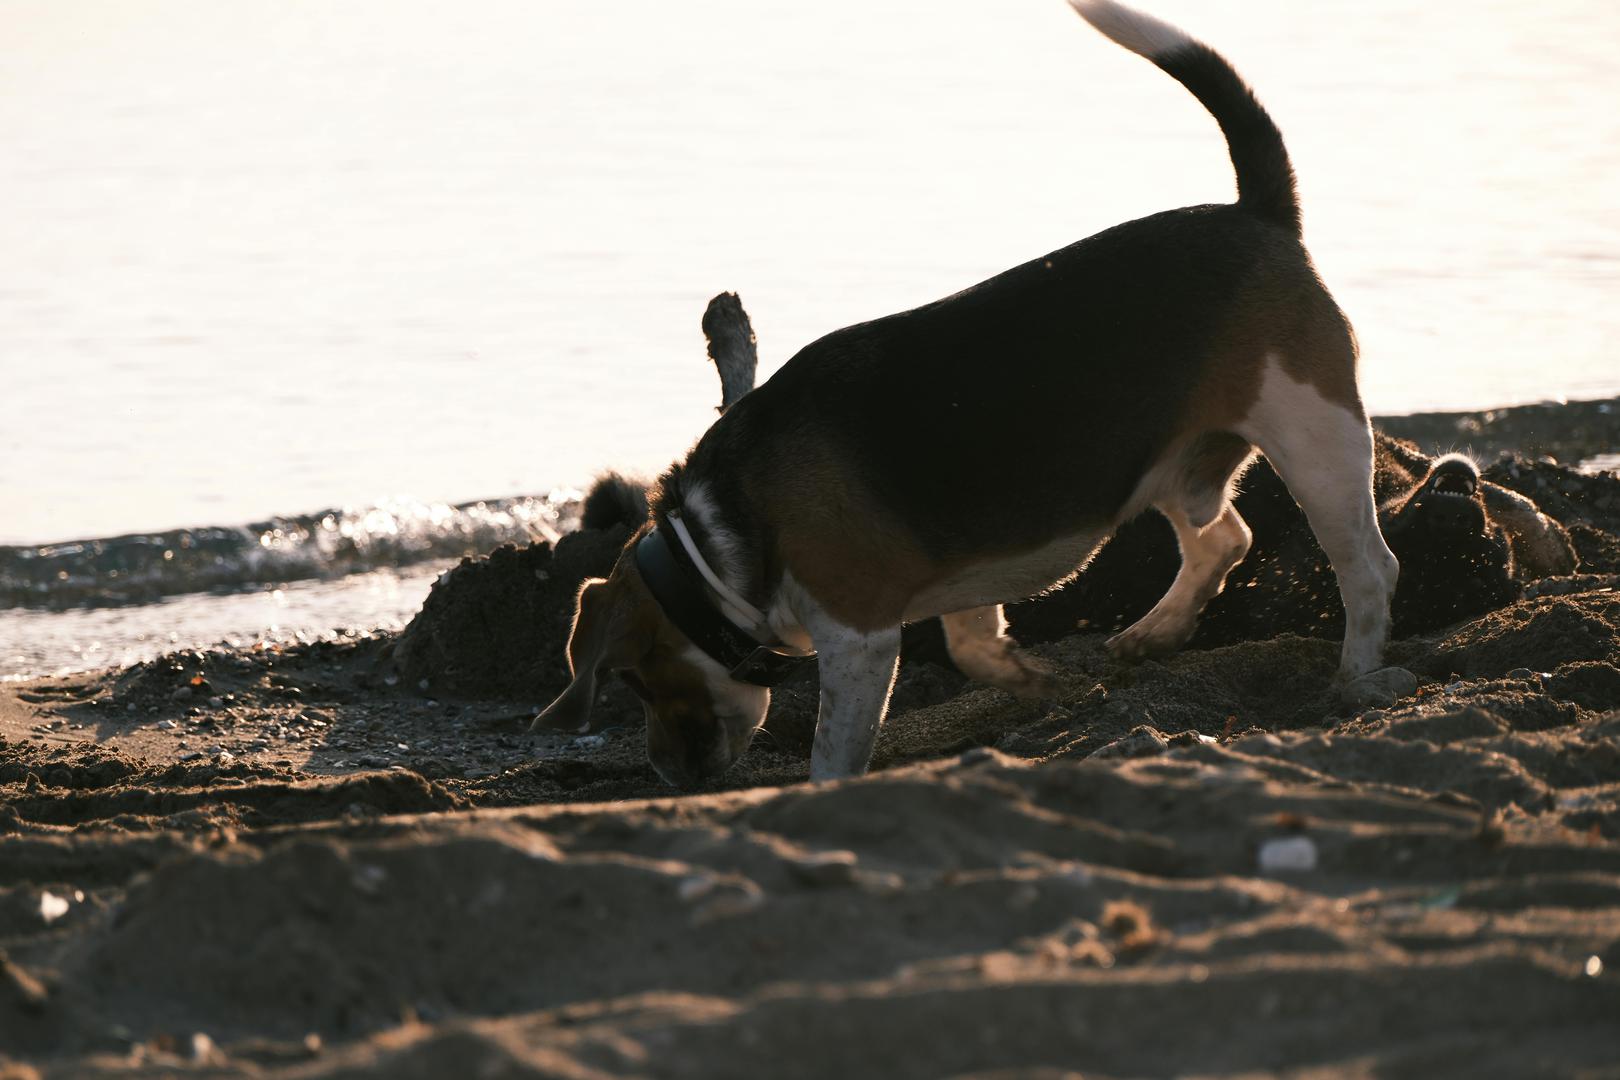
{"x":204,"y":1051}
{"x":1288,"y":855}
{"x":52,"y":907}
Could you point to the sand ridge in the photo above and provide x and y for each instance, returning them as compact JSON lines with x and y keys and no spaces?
{"x":306,"y":862}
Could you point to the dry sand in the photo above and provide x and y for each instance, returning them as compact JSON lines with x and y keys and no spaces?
{"x":307,"y":863}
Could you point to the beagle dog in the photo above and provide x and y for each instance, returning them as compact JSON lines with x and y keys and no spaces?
{"x":1143,"y":366}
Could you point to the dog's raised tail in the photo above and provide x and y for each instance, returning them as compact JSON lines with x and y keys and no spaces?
{"x":1265,"y":178}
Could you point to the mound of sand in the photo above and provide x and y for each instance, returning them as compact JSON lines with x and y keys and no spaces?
{"x":353,"y":860}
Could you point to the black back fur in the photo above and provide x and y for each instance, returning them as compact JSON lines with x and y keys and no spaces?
{"x":1083,"y":358}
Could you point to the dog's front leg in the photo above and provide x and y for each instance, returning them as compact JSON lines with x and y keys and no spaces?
{"x":857,"y":673}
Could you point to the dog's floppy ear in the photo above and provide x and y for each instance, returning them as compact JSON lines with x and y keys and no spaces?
{"x":600,"y":637}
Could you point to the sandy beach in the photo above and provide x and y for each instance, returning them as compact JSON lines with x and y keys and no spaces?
{"x":352,"y":859}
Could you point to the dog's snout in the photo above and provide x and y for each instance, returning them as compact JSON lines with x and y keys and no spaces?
{"x":675,"y":775}
{"x":693,"y":763}
{"x":687,"y":751}
{"x":1454,"y":478}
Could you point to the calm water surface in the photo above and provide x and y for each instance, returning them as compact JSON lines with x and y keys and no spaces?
{"x":263,"y":258}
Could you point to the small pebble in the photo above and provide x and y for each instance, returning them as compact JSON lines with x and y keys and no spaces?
{"x":369,"y":879}
{"x":52,"y":907}
{"x":1288,"y":854}
{"x":203,"y":1050}
{"x":879,"y":882}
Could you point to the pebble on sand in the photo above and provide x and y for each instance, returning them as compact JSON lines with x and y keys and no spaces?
{"x":1288,"y":854}
{"x":52,"y":907}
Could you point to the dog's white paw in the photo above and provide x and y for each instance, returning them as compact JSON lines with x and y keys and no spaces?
{"x":1377,"y":689}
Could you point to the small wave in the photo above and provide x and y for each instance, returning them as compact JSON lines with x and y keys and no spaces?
{"x":143,"y":567}
{"x":1599,"y":464}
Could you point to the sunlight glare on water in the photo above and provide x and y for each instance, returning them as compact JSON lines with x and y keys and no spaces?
{"x":34,"y":643}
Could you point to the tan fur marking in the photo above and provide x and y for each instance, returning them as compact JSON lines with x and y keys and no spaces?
{"x":842,"y":547}
{"x":619,"y":626}
{"x":1284,"y":312}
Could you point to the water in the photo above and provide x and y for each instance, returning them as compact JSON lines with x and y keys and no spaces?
{"x":140,"y":568}
{"x":35,"y":642}
{"x":263,"y":258}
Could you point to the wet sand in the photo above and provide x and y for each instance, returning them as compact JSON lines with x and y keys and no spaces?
{"x":351,"y":859}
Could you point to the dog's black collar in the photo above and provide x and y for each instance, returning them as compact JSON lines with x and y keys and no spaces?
{"x":675,"y":583}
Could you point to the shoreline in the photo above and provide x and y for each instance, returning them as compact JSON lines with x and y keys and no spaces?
{"x":331,"y":580}
{"x":1569,"y":432}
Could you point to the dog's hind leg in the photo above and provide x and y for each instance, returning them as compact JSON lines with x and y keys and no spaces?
{"x":1196,"y":497}
{"x":979,"y":646}
{"x":1207,"y":556}
{"x":1322,"y":449}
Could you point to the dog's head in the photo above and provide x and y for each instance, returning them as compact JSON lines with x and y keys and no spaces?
{"x":1455,"y":560}
{"x":699,"y":719}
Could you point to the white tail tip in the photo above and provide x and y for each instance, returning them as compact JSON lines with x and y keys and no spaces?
{"x":1140,"y":33}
